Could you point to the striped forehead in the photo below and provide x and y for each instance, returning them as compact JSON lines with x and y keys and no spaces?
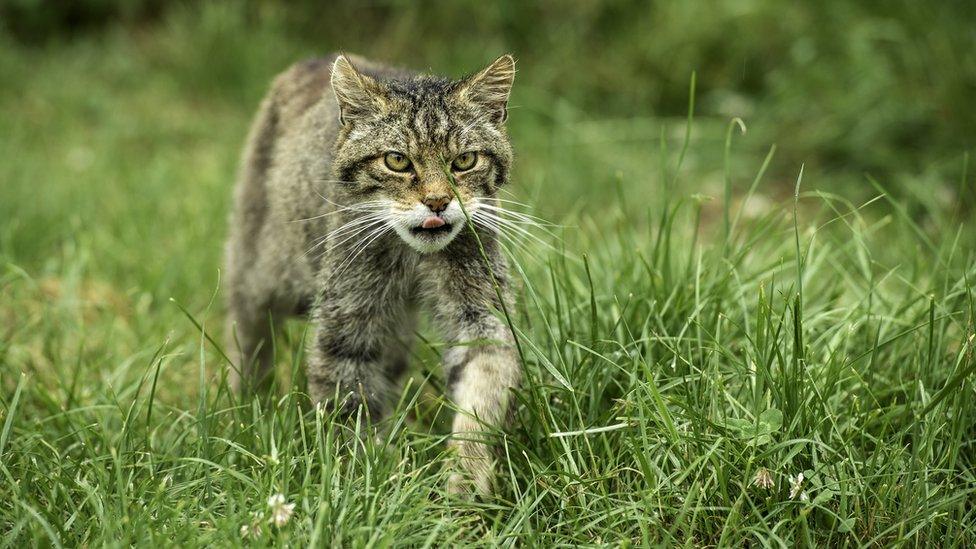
{"x":426,"y":118}
{"x":429,"y":127}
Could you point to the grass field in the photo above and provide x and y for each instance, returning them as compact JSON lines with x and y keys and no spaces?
{"x":712,"y":318}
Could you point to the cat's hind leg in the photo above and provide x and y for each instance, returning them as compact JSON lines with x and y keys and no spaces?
{"x":250,"y":343}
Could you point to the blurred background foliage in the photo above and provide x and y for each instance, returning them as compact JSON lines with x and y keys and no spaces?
{"x":874,"y":86}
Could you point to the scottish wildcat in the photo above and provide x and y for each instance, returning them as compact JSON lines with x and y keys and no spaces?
{"x":344,"y":211}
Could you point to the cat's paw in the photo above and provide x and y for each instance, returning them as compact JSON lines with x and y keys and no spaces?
{"x":473,"y":473}
{"x":461,"y":487}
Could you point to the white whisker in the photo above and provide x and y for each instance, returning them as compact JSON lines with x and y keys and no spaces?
{"x":508,"y":224}
{"x":352,"y":227}
{"x":354,"y":232}
{"x":336,"y":181}
{"x":368,"y":205}
{"x":510,"y":243}
{"x":366,"y":242}
{"x":518,"y":239}
{"x":473,"y":123}
{"x":507,"y":201}
{"x":500,"y":231}
{"x":356,"y":223}
{"x":336,"y":211}
{"x":486,"y":212}
{"x":527,"y":218}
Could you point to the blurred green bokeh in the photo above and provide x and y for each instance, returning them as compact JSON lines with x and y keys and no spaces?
{"x":878,"y":86}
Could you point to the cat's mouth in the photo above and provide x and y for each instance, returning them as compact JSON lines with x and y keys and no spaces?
{"x":432,"y":226}
{"x":440,"y":229}
{"x":429,"y":231}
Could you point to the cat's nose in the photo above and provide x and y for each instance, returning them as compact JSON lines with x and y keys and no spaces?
{"x":437,"y":202}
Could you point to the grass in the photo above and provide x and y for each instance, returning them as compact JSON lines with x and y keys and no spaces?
{"x":676,"y":345}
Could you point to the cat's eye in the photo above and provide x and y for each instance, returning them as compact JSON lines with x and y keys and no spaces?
{"x":465,"y":161}
{"x":397,"y":162}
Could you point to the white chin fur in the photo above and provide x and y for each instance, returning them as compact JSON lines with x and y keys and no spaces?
{"x":427,"y":243}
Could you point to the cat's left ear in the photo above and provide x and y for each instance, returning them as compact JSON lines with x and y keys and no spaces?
{"x":490,"y":87}
{"x":357,"y":94}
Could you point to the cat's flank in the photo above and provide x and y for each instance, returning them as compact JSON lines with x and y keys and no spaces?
{"x":344,"y":211}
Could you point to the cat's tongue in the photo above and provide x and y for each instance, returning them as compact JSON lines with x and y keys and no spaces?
{"x":432,"y":222}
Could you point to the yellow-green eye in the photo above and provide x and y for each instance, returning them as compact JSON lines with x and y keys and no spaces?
{"x":397,"y":162}
{"x":465,"y":161}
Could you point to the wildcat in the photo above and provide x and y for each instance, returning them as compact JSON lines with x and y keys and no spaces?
{"x":344,"y":211}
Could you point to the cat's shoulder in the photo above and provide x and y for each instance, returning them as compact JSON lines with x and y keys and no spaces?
{"x":302,"y":85}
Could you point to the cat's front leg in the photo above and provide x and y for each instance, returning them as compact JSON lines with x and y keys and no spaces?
{"x":481,"y":392}
{"x":483,"y":368}
{"x":347,"y":363}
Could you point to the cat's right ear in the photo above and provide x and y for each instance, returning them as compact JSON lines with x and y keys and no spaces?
{"x":358,"y":94}
{"x":490,"y":87}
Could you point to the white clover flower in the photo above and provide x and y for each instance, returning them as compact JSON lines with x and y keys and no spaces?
{"x":252,"y":530}
{"x":796,"y":487}
{"x":763,"y":479}
{"x":280,"y":511}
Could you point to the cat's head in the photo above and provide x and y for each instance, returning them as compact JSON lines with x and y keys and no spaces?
{"x":404,"y":139}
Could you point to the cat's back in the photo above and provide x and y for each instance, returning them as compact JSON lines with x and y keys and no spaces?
{"x":301,"y":86}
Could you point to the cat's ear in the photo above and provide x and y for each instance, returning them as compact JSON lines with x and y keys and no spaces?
{"x":490,"y":87}
{"x":358,"y":94}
